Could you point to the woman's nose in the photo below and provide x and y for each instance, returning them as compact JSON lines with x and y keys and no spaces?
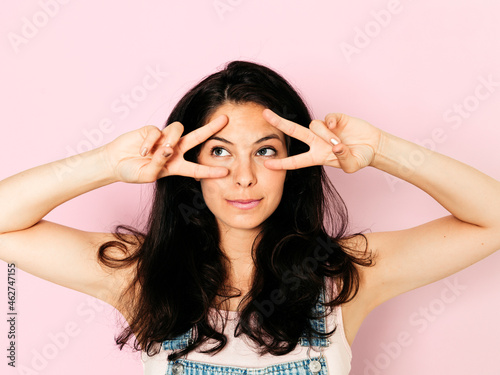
{"x":244,"y":173}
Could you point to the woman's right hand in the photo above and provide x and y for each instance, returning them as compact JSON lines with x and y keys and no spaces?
{"x":142,"y":155}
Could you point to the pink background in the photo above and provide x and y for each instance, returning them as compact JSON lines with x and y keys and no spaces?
{"x":419,"y":60}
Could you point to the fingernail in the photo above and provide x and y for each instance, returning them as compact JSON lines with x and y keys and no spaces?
{"x":166,"y":154}
{"x":334,"y":141}
{"x":144,"y":151}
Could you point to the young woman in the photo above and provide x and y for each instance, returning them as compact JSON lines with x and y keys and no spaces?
{"x":245,"y":265}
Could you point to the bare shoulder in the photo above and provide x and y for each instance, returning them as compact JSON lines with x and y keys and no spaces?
{"x":121,"y":293}
{"x":356,"y":310}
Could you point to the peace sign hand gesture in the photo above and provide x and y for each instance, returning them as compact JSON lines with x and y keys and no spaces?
{"x":147,"y":154}
{"x":357,"y":142}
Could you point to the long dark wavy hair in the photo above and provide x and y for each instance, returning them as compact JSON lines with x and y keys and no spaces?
{"x":179,"y":268}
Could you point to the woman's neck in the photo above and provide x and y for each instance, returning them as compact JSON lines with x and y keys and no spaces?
{"x":237,"y":246}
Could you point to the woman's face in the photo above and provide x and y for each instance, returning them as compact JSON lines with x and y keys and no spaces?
{"x":242,"y":146}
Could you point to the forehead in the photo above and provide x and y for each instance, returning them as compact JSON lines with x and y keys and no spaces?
{"x":245,"y":122}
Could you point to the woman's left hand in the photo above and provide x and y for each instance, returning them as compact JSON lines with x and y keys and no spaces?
{"x":358,"y":142}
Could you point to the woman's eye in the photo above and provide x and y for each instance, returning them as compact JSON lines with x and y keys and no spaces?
{"x":272,"y":151}
{"x":217,"y":151}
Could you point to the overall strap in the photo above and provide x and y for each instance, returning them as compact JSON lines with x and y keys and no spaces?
{"x":179,"y":342}
{"x":318,"y":324}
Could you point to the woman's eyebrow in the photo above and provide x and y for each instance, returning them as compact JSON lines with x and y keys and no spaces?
{"x":270,"y":136}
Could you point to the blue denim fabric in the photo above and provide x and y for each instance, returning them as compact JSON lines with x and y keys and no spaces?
{"x":309,"y":366}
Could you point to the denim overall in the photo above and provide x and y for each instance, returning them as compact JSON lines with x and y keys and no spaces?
{"x":311,"y":366}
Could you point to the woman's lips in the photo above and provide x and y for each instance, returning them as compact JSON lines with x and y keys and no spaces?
{"x":245,"y":204}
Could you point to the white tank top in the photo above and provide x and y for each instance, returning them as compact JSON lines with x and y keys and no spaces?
{"x":240,"y":351}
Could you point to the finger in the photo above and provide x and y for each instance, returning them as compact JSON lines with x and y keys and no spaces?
{"x":336,"y":122}
{"x":172,"y":133}
{"x":201,"y":134}
{"x":155,"y":168}
{"x":292,"y":162}
{"x":195,"y":170}
{"x":151,"y":137}
{"x":321,"y":130}
{"x":288,"y":127}
{"x":347,"y":161}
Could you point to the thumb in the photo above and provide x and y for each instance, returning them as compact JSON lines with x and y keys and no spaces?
{"x":346,"y":160}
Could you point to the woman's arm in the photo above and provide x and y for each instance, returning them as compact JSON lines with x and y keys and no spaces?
{"x":68,"y":256}
{"x":407,"y":259}
{"x":60,"y":254}
{"x":411,"y":258}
